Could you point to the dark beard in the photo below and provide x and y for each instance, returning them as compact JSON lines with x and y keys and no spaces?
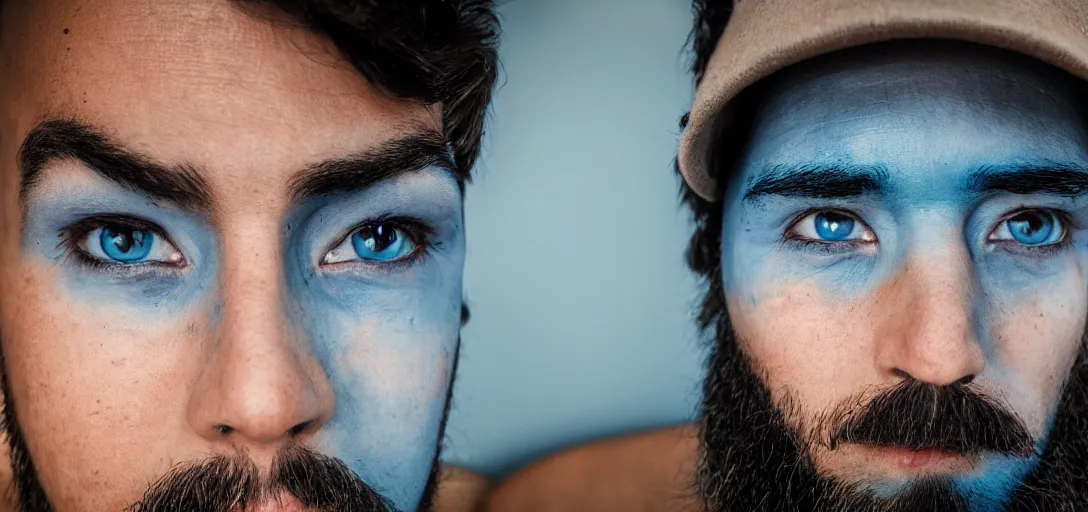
{"x":218,"y":483}
{"x":751,"y":459}
{"x":221,"y":483}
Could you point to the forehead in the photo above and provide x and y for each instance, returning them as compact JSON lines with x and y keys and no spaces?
{"x":198,"y":81}
{"x":926,"y":111}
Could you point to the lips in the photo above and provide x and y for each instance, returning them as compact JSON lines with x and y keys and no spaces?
{"x":918,"y":459}
{"x":904,"y":461}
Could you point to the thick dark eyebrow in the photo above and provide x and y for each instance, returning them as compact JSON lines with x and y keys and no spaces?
{"x":67,"y":138}
{"x":415,"y":152}
{"x":818,"y":181}
{"x":1059,"y":180}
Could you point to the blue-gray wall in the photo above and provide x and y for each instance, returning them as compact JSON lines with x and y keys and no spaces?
{"x":582,"y":309}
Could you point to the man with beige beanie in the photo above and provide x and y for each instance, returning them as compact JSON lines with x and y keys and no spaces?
{"x":891,"y":217}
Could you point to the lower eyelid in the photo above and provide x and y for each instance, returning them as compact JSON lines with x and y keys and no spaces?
{"x":1032,"y":251}
{"x":365,"y":267}
{"x":127,"y":272}
{"x":826,"y":247}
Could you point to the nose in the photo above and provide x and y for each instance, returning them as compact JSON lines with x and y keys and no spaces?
{"x":930,"y":334}
{"x":259,"y":387}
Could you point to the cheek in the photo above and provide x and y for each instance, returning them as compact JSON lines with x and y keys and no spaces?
{"x":67,"y":358}
{"x":389,"y":363}
{"x":1036,"y":335}
{"x":78,"y":346}
{"x":388,"y":348}
{"x":801,"y":337}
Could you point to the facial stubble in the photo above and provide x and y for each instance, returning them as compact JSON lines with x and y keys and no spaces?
{"x":227,"y":481}
{"x":752,"y":457}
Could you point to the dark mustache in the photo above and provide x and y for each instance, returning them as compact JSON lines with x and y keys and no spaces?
{"x":219,"y":483}
{"x":920,"y":416}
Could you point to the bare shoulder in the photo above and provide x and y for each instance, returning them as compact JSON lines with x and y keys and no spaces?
{"x":460,"y":490}
{"x":649,"y":472}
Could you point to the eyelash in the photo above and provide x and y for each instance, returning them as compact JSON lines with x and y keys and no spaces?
{"x":816,"y":246}
{"x":418,"y":231}
{"x":1041,"y":251}
{"x":72,"y":235}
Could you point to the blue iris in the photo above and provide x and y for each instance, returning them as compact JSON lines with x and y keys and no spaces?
{"x":126,"y":245}
{"x":380,"y":243}
{"x":833,"y":227}
{"x":1032,"y":228}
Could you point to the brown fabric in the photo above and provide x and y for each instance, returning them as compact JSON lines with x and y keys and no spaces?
{"x":765,"y":36}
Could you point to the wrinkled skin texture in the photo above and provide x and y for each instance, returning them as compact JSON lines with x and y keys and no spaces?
{"x":926,"y":284}
{"x":116,"y":378}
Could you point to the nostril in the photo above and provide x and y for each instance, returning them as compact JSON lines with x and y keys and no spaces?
{"x":224,"y":429}
{"x":966,"y":380}
{"x":298,"y":429}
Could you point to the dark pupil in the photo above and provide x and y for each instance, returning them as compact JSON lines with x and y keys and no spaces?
{"x":1032,"y":222}
{"x":383,"y":236}
{"x":125,"y":239}
{"x":833,"y":218}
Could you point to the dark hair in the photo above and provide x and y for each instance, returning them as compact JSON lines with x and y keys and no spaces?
{"x":704,"y":249}
{"x":431,"y":51}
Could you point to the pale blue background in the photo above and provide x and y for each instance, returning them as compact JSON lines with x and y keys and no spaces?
{"x":582,"y":321}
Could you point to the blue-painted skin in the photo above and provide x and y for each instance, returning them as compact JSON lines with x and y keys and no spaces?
{"x":390,"y":397}
{"x":380,"y":312}
{"x":807,"y":279}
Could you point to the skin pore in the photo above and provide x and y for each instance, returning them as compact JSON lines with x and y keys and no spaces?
{"x":217,"y":239}
{"x":902,"y":214}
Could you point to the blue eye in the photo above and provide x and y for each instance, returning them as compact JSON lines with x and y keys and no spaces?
{"x":831,"y":227}
{"x":1031,"y":228}
{"x":117,"y":243}
{"x":381,"y":242}
{"x":125,"y":245}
